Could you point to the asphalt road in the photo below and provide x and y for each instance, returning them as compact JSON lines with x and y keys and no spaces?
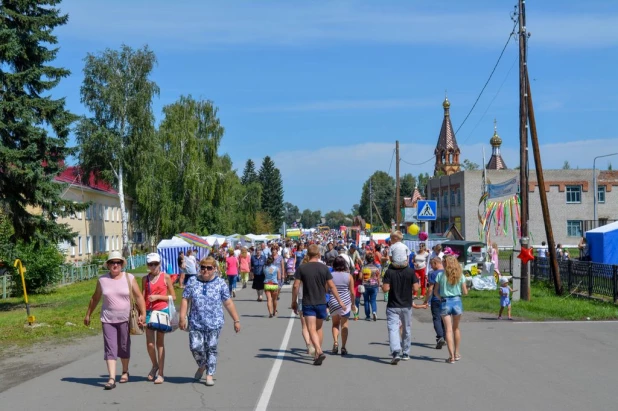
{"x":505,"y":365}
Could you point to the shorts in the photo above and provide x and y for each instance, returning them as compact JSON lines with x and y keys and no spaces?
{"x":451,"y":306}
{"x":318,"y":311}
{"x":271,"y":287}
{"x":327,"y":298}
{"x":505,"y":302}
{"x":148,"y":312}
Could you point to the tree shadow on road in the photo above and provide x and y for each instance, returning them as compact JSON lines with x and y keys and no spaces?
{"x":426,"y":358}
{"x":424,"y":345}
{"x":298,"y":355}
{"x":92,"y":381}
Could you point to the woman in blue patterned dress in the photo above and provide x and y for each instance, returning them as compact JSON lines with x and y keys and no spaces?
{"x":208,"y":294}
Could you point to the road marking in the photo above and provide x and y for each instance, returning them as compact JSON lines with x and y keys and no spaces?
{"x":565,"y":322}
{"x":262,"y":404}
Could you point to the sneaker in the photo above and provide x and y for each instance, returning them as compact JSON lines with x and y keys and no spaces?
{"x":396,"y":358}
{"x":244,"y":285}
{"x":328,"y":317}
{"x":440,"y":343}
{"x":233,"y":294}
{"x":374,"y":316}
{"x":311,"y":350}
{"x":405,"y":357}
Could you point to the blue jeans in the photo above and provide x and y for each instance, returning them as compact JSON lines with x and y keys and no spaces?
{"x":371,"y":306}
{"x":393,"y":317}
{"x":231,"y":282}
{"x":438,"y":324}
{"x":357,"y":304}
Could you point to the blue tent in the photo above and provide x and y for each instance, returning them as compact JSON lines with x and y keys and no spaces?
{"x":169,"y":250}
{"x":603,"y":244}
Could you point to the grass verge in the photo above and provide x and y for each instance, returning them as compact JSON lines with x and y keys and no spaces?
{"x":59,"y":313}
{"x":543,"y":305}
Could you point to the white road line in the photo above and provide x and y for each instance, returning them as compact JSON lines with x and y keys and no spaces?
{"x":262,"y":404}
{"x":565,"y":322}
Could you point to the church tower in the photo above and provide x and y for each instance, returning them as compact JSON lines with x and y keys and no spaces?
{"x":496,"y":162}
{"x":447,"y":151}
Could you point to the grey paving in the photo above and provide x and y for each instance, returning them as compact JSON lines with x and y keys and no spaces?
{"x":505,"y":366}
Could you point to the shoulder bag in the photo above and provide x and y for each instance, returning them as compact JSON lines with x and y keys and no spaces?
{"x":134,"y":327}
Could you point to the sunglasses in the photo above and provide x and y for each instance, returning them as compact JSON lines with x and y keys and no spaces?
{"x":115,"y":262}
{"x":153,"y":264}
{"x":207,"y":267}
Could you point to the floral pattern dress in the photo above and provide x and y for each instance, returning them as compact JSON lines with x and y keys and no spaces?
{"x":205,"y":319}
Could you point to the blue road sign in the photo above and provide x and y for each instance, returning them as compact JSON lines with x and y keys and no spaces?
{"x":426,"y":210}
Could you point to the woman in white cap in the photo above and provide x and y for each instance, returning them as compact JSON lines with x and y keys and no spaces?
{"x":115,"y":288}
{"x":157,"y":287}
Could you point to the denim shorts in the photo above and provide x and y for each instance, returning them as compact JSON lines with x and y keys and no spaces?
{"x":318,"y":311}
{"x":451,"y":306}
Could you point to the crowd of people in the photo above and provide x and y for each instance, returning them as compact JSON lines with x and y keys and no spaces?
{"x":330,"y":276}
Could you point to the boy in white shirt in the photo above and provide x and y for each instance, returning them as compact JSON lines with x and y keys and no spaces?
{"x":398,"y":251}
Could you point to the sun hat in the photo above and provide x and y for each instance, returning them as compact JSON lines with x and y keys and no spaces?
{"x":153,"y":258}
{"x":116,"y":255}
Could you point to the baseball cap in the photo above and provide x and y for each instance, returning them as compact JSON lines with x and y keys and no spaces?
{"x":153,"y":258}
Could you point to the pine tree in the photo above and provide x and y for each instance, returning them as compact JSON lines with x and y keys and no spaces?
{"x":272,"y":191}
{"x":34,"y":127}
{"x":249,"y":175}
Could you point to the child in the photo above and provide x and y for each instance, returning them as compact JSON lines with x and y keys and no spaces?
{"x":398,"y":252}
{"x":505,"y":298}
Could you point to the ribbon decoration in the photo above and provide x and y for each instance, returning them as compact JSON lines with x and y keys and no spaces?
{"x":502,"y":215}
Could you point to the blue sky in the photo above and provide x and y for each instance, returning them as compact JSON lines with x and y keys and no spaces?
{"x":327,"y":87}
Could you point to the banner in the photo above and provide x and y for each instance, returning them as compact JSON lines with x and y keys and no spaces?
{"x":409,"y":214}
{"x":508,"y":188}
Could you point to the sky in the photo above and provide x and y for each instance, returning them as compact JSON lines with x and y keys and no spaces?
{"x":326,"y":87}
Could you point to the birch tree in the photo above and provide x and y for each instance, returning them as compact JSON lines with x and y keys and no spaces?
{"x":114,"y":142}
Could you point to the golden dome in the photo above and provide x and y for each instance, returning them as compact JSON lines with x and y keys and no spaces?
{"x":446,"y":104}
{"x":495,"y":140}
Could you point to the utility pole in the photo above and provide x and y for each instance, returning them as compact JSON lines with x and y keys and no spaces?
{"x":523,"y":148}
{"x":397,"y":192}
{"x":549,"y":233}
{"x":370,"y":204}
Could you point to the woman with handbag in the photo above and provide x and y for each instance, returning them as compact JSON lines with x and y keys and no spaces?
{"x":158,"y":294}
{"x":119,"y":291}
{"x":208,"y":295}
{"x":272,"y":278}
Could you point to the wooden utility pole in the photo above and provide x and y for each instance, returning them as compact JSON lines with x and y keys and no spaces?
{"x":371,"y":204}
{"x":397,"y":192}
{"x":523,"y":147}
{"x":555,"y":269}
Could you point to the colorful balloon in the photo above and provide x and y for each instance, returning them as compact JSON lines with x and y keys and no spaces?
{"x":413,"y":229}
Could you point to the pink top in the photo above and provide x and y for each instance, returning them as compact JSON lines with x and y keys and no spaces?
{"x":116,"y":300}
{"x":232,"y":266}
{"x":245,"y":263}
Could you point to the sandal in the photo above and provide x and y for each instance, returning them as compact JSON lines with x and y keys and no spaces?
{"x":153,"y":373}
{"x":450,"y":360}
{"x":344,"y":351}
{"x":199,"y":373}
{"x":457,"y":357}
{"x":335,"y":349}
{"x":109,"y":386}
{"x":159,"y":380}
{"x":319,"y":359}
{"x":122,"y":377}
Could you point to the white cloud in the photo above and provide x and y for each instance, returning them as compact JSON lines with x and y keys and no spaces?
{"x":331,"y":178}
{"x":201,"y":25}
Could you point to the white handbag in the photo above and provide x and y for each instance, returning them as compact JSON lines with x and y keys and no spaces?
{"x":159,"y":321}
{"x":361,"y":289}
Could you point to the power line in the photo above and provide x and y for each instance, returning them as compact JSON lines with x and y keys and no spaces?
{"x":389,"y":167}
{"x":478,"y":97}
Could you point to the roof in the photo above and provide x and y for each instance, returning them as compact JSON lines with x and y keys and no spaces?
{"x":496,"y":163}
{"x":447,"y":140}
{"x":608,"y":175}
{"x":74,"y":176}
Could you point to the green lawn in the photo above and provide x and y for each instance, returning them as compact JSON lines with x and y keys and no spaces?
{"x":543,"y":305}
{"x":53,"y":310}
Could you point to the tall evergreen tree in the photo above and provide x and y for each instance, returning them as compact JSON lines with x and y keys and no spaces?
{"x":272,"y":191}
{"x":34,"y":127}
{"x":117,"y":140}
{"x":249,"y":175}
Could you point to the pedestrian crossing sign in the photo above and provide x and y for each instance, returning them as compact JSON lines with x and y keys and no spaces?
{"x":426,"y":210}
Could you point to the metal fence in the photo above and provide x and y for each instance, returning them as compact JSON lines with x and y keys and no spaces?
{"x":72,"y":274}
{"x":582,"y":277}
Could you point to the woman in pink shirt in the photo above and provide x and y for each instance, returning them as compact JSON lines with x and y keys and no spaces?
{"x":231,"y":271}
{"x":244,"y":261}
{"x":115,"y":287}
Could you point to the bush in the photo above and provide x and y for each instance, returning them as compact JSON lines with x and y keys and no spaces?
{"x":42,"y":264}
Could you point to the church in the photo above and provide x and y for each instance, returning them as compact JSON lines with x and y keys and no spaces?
{"x":570,"y":193}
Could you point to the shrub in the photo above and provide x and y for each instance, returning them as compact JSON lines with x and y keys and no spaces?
{"x":42,"y":263}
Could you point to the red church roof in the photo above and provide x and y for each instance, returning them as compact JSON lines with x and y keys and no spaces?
{"x":74,"y":176}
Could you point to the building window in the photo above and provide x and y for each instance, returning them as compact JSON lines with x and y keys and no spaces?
{"x":453,"y":197}
{"x":101,"y":244}
{"x":73,"y":248}
{"x":573,"y":194}
{"x":106,"y":213}
{"x":574,"y":228}
{"x":106,"y":243}
{"x":88,"y":249}
{"x":459,"y":196}
{"x":79,"y":245}
{"x":601,"y":194}
{"x":445,"y":199}
{"x":100,"y":211}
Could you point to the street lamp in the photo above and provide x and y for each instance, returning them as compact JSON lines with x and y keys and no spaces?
{"x":594,"y":181}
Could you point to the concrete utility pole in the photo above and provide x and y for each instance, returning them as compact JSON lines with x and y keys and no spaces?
{"x":397,"y":192}
{"x":523,"y":148}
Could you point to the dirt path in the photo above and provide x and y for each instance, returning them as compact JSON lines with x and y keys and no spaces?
{"x":22,"y":364}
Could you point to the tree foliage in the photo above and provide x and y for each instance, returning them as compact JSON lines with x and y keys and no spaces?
{"x":407,"y":183}
{"x":566,"y":165}
{"x":310,"y":218}
{"x":34,"y":127}
{"x":272,"y":191}
{"x":383,"y":188}
{"x":470,"y":165}
{"x":291,"y":213}
{"x":117,"y":140}
{"x":249,"y":174}
{"x":335,"y":219}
